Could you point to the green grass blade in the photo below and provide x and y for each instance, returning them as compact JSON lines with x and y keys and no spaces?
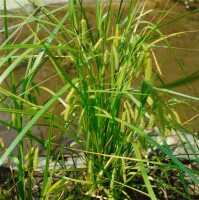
{"x":144,"y":173}
{"x":34,"y":120}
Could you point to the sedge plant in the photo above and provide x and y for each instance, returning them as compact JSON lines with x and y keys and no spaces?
{"x":109,"y":104}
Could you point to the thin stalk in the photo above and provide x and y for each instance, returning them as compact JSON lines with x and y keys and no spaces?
{"x":17,"y":119}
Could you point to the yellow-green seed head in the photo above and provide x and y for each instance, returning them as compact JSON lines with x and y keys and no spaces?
{"x":148,"y":65}
{"x":151,"y":122}
{"x":35,"y":159}
{"x":97,"y":45}
{"x":116,"y":41}
{"x":106,"y":56}
{"x":84,"y":31}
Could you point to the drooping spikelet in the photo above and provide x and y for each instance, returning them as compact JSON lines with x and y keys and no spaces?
{"x":106,"y":56}
{"x":35,"y":158}
{"x":97,"y":45}
{"x":123,"y":119}
{"x":84,"y":32}
{"x":116,"y":58}
{"x":69,"y":100}
{"x":148,"y":65}
{"x":116,"y":40}
{"x":151,"y":122}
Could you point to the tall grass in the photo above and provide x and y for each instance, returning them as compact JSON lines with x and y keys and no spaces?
{"x":109,"y":105}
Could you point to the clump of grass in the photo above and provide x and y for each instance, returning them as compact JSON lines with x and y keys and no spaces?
{"x":108,"y":105}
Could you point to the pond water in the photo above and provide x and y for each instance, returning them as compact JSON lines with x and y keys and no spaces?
{"x":185,"y":47}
